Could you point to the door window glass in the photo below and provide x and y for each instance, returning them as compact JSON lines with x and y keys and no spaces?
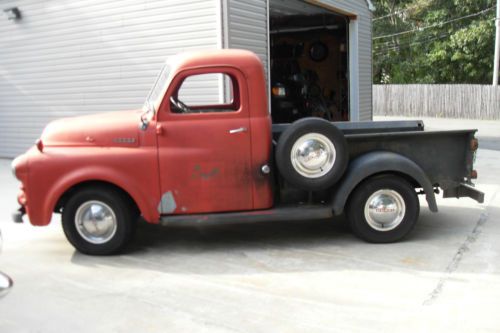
{"x":214,"y":92}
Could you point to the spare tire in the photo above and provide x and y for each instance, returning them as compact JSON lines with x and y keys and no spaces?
{"x":312,"y":154}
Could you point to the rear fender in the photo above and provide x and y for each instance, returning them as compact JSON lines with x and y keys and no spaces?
{"x":374,"y":163}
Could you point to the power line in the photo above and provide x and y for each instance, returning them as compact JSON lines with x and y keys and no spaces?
{"x":395,"y":47}
{"x":404,"y":40}
{"x":409,"y":37}
{"x":389,"y":15}
{"x":436,"y":25}
{"x":409,"y":43}
{"x":391,"y":42}
{"x":427,"y":40}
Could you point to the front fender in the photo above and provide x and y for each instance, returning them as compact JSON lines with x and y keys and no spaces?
{"x":58,"y":169}
{"x":104,"y":174}
{"x":377,"y":162}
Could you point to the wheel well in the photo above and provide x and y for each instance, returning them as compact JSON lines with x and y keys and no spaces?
{"x":94,"y":183}
{"x":405,"y":176}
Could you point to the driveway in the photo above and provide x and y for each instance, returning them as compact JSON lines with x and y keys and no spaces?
{"x":267,"y":277}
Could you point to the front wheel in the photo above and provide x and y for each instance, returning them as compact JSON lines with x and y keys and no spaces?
{"x":98,"y":221}
{"x":383,"y":209}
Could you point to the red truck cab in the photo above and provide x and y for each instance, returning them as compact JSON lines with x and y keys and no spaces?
{"x":175,"y":161}
{"x":166,"y":161}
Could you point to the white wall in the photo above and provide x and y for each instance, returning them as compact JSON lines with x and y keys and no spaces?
{"x":66,"y":58}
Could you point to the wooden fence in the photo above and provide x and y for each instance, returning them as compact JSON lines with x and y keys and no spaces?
{"x":447,"y":101}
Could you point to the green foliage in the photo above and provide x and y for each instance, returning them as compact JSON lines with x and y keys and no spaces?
{"x":430,"y":41}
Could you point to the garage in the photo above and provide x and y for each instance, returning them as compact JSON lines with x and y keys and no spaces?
{"x":318,"y":54}
{"x":68,"y":58}
{"x":309,"y":62}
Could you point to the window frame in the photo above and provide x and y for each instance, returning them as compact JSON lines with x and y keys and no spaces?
{"x":234,"y":106}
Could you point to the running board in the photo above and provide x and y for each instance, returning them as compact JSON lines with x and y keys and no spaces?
{"x":293,"y":213}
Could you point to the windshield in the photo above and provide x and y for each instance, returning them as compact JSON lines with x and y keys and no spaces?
{"x":154,"y":96}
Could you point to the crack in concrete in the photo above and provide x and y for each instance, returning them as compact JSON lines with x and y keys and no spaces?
{"x":457,"y":258}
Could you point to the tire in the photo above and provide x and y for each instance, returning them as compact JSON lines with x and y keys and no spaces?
{"x":383,"y":224}
{"x":102,"y":206}
{"x":313,"y":135}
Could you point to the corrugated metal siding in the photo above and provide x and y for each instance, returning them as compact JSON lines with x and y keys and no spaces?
{"x":67,"y":57}
{"x":247,"y":26}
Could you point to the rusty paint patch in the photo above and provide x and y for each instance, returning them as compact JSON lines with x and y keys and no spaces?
{"x":167,"y":203}
{"x":198,"y":173}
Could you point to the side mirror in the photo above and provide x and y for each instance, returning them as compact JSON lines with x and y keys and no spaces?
{"x":144,"y":124}
{"x":147,"y":109}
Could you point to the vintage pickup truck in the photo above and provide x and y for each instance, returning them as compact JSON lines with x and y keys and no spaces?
{"x":176,"y":161}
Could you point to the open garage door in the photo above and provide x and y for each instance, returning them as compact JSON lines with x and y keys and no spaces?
{"x":309,"y":62}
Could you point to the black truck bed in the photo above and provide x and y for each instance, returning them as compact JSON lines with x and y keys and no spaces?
{"x":445,"y":156}
{"x":366,"y":127}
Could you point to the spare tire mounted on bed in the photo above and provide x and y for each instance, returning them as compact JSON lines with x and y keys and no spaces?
{"x":312,"y":154}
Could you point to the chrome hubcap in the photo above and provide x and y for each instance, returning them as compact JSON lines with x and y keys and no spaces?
{"x":313,"y":155}
{"x":95,"y":222}
{"x":385,"y":210}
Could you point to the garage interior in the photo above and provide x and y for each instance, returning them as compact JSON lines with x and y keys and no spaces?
{"x":309,"y":62}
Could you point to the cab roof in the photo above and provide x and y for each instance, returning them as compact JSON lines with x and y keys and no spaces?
{"x":241,"y":59}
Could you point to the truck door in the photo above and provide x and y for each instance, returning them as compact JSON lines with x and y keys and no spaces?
{"x":204,"y":144}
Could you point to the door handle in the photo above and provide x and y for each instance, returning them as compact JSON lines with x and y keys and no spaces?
{"x":159,"y":129}
{"x":238,"y":130}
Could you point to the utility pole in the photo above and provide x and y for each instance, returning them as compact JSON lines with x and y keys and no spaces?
{"x":497,"y":46}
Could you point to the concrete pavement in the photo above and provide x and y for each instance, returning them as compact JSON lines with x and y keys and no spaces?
{"x":268,"y":277}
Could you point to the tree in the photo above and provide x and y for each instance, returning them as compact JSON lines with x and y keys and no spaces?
{"x":433,"y":41}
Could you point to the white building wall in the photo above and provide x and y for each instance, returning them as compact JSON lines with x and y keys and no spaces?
{"x":247,"y":26}
{"x":66,"y":58}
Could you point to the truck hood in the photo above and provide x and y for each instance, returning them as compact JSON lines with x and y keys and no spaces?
{"x":104,"y":129}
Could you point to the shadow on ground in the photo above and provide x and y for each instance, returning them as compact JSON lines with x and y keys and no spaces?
{"x":288,"y":247}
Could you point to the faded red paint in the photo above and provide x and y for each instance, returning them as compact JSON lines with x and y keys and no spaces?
{"x":193,"y":156}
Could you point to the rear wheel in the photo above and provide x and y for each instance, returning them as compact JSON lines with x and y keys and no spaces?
{"x":99,"y":221}
{"x":383,"y":209}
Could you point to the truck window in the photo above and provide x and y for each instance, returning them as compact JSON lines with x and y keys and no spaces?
{"x":214,"y":92}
